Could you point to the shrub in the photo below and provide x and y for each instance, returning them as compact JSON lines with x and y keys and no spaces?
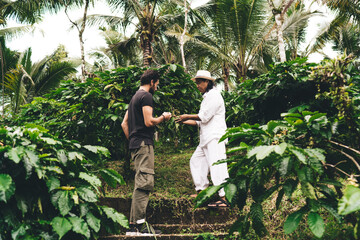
{"x":281,"y":157}
{"x":92,"y":112}
{"x":264,"y":98}
{"x":47,"y":190}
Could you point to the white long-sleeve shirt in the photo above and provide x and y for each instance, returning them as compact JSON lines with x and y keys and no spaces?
{"x":212,"y":115}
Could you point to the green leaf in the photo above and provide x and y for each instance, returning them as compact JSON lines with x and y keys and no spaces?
{"x":61,"y":226}
{"x":261,"y":152}
{"x":241,"y":225}
{"x":22,"y":205}
{"x":350,"y":201}
{"x":279,"y":198}
{"x":316,"y":224}
{"x":316,"y":153}
{"x":31,"y":160}
{"x":15,"y":153}
{"x":50,"y":141}
{"x":92,"y":179}
{"x":20,"y":232}
{"x":299,"y":153}
{"x":271,"y":125}
{"x":284,"y":166}
{"x":292,"y":221}
{"x":52,"y":183}
{"x":55,"y":169}
{"x":112,"y":177}
{"x":116,"y":217}
{"x":257,"y":214}
{"x":206,"y":194}
{"x":280,"y":149}
{"x":65,"y":202}
{"x":331,"y":209}
{"x":7,"y":187}
{"x":289,"y":187}
{"x":173,"y":67}
{"x":80,"y":226}
{"x":75,"y":155}
{"x":230,"y":192}
{"x":236,"y":149}
{"x":264,"y":152}
{"x":297,"y":115}
{"x":61,"y":154}
{"x":93,"y":222}
{"x":254,"y":151}
{"x":87,"y":194}
{"x":316,"y":116}
{"x":95,"y":149}
{"x":308,"y":190}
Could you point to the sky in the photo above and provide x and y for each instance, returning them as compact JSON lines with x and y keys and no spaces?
{"x":55,"y":30}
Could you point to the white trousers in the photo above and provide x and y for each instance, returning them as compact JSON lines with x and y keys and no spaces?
{"x":201,"y":163}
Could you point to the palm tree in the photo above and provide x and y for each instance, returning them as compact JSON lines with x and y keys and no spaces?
{"x":348,"y":39}
{"x":25,"y":12}
{"x":57,"y":5}
{"x":121,"y":51}
{"x":279,"y":11}
{"x":346,"y":8}
{"x":343,"y":30}
{"x":148,"y":16}
{"x":29,"y":80}
{"x":235,"y":33}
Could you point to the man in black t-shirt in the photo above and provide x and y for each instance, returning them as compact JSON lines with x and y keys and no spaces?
{"x":139,"y":126}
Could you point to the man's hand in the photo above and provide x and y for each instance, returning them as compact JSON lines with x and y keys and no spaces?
{"x":167,"y":116}
{"x":181,"y":118}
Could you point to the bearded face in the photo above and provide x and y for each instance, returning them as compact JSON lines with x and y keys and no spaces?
{"x":153,"y":86}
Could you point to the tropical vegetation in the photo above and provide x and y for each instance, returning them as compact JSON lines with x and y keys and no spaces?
{"x":293,"y":125}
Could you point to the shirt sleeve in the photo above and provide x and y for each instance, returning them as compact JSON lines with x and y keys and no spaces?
{"x":208,"y":108}
{"x":147,"y":100}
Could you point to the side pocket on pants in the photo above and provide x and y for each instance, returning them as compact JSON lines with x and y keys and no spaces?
{"x":144,"y":179}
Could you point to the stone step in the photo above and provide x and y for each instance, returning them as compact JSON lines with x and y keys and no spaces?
{"x":163,"y":236}
{"x":179,"y":211}
{"x":191,"y":229}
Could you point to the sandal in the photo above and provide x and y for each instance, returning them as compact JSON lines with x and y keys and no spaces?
{"x":219,"y":204}
{"x":195,"y":194}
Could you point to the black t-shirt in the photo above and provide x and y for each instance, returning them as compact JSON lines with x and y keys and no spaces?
{"x":138,"y":131}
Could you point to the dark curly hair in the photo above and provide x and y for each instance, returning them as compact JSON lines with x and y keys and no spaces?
{"x":149,"y":75}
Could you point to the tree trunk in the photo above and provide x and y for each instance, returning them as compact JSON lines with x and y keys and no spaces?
{"x":279,"y":20}
{"x":226,"y":74}
{"x":241,"y":71}
{"x":182,"y":41}
{"x":147,"y":53}
{"x":2,"y":79}
{"x":279,"y":23}
{"x":81,"y":33}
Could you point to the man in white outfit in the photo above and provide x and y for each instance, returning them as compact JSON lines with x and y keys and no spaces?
{"x":211,"y":121}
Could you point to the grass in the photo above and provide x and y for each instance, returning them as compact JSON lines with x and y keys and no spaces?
{"x":172,"y":175}
{"x":173,"y":181}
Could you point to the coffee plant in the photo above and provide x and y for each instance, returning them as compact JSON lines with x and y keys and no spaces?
{"x":281,"y":157}
{"x":47,"y":188}
{"x":264,"y":98}
{"x":92,"y":112}
{"x":311,"y":152}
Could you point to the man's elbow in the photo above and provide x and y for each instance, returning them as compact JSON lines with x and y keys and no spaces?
{"x":149,"y":124}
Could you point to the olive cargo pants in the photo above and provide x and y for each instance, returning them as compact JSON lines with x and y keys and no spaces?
{"x":143,"y":158}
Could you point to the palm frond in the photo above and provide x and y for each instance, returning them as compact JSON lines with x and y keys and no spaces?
{"x":51,"y":78}
{"x":326,"y":34}
{"x":13,"y":32}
